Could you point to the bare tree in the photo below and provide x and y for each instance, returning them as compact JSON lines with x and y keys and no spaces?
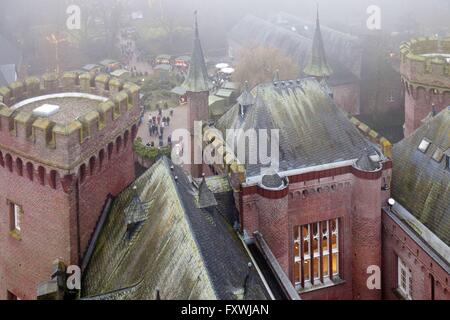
{"x":258,"y":64}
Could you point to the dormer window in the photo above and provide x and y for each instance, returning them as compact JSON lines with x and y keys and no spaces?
{"x":424,"y":145}
{"x":438,"y":155}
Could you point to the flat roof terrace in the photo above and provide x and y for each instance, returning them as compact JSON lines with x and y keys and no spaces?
{"x":71,"y":106}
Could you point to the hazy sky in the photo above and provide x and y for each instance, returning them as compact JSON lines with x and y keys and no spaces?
{"x":221,"y":15}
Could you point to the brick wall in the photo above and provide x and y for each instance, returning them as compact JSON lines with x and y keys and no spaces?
{"x":347,"y":97}
{"x":45,"y":233}
{"x":366,"y":233}
{"x":418,"y":105}
{"x":397,"y":243}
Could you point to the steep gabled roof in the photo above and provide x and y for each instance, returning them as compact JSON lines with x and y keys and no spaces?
{"x":312,"y":129}
{"x":420,"y":183}
{"x":182,"y":250}
{"x":197,"y":79}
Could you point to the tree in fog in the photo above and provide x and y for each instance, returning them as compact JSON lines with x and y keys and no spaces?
{"x":258,"y":64}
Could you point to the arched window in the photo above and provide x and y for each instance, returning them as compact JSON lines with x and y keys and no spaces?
{"x":118,"y":144}
{"x":92,"y":166}
{"x":30,"y":171}
{"x":126,"y":136}
{"x":2,"y":161}
{"x":53,"y":178}
{"x":9,"y":162}
{"x":41,"y":174}
{"x":110,"y":150}
{"x":19,"y":167}
{"x":133,"y":132}
{"x":101,"y":158}
{"x":82,"y":173}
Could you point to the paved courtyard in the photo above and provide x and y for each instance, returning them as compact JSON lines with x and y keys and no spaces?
{"x":177,"y":121}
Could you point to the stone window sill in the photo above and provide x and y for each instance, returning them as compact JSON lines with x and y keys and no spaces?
{"x":327,"y":284}
{"x":399,"y":295}
{"x":15,"y":234}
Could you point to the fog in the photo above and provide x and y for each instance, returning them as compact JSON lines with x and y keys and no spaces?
{"x":28,"y":23}
{"x":221,"y":14}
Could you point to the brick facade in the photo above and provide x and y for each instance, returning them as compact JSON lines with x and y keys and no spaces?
{"x":397,"y":243}
{"x":61,"y":184}
{"x":354,"y":197}
{"x":347,"y":97}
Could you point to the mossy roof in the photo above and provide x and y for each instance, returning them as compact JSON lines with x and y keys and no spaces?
{"x":312,"y":129}
{"x":184,"y":251}
{"x":421,"y":184}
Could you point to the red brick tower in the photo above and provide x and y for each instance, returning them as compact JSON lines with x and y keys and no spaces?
{"x":65,"y":145}
{"x":273,"y":219}
{"x":366,"y":225}
{"x":425,"y":69}
{"x":197,"y":85}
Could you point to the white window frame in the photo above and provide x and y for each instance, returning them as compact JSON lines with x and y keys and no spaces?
{"x":17,"y":214}
{"x":404,"y":279}
{"x":424,"y":145}
{"x":311,"y":255}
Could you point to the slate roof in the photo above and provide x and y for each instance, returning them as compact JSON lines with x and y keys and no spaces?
{"x":343,"y":51}
{"x":366,"y":164}
{"x":272,"y":181}
{"x":184,"y":251}
{"x":206,"y":198}
{"x":421,"y":184}
{"x":312,"y":129}
{"x":197,"y":79}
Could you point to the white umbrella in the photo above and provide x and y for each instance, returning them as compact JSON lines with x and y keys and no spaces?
{"x":220,"y":66}
{"x":227,"y":70}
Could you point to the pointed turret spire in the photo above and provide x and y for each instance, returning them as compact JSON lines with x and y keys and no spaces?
{"x":196,"y":24}
{"x":318,"y":65}
{"x":246,"y":98}
{"x":276,"y":75}
{"x":197,"y":79}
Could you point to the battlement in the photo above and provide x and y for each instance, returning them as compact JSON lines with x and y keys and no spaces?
{"x":231,"y":164}
{"x":425,"y":62}
{"x":384,"y":144}
{"x":88,"y":112}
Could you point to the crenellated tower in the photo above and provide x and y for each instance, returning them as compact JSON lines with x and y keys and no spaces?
{"x":65,"y":147}
{"x":425,"y":70}
{"x":197,"y":85}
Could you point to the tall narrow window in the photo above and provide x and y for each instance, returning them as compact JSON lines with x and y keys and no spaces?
{"x":316,"y":253}
{"x":404,"y":280}
{"x":432,"y":287}
{"x":15,"y":218}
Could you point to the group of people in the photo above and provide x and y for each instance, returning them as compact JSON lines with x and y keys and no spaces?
{"x":156,"y":126}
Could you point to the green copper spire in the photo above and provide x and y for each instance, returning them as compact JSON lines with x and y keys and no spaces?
{"x":318,"y":65}
{"x":197,"y":79}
